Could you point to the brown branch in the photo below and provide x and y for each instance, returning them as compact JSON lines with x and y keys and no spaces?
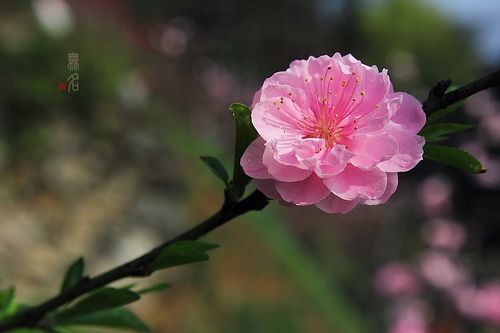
{"x":438,"y":100}
{"x":139,"y":267}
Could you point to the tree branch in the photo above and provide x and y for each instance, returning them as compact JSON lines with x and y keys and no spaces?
{"x":138,"y":267}
{"x":438,"y":100}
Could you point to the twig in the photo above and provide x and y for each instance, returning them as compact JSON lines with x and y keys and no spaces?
{"x":438,"y":100}
{"x":136,"y":268}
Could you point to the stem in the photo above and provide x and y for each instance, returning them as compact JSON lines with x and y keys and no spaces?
{"x":438,"y":100}
{"x":138,"y":267}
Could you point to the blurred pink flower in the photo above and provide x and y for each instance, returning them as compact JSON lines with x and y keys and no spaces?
{"x":444,"y":234}
{"x":332,"y":133}
{"x":491,"y":126}
{"x":488,"y":303}
{"x":441,"y":271}
{"x":435,"y":195}
{"x":465,"y":298}
{"x":397,"y":280}
{"x":410,"y":317}
{"x":479,"y":303}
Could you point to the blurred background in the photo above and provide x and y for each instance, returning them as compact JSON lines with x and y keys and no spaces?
{"x":112,"y":169}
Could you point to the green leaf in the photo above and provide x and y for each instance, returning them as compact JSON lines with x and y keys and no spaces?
{"x":102,"y":299}
{"x":114,"y":318}
{"x":181,"y":253}
{"x":73,"y":275}
{"x":245,"y":135}
{"x":6,"y":300}
{"x":128,"y":286}
{"x":438,"y":132}
{"x":436,"y":139}
{"x":217,"y":168}
{"x":438,"y":115}
{"x":458,"y":158}
{"x":155,"y":288}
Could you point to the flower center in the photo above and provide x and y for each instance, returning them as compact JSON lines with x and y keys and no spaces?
{"x":334,"y":107}
{"x":328,"y":131}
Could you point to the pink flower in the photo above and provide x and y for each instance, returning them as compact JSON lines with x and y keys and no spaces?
{"x":442,"y":272}
{"x":333,"y":134}
{"x":410,"y":317}
{"x":444,"y":234}
{"x":479,"y":303}
{"x":488,"y":302}
{"x":466,"y":300}
{"x":397,"y":280}
{"x":435,"y":195}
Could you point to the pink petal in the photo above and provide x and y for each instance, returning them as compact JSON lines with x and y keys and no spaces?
{"x":297,"y":67}
{"x":282,"y":172}
{"x":392,"y":185}
{"x":306,"y":192}
{"x":267,"y":187}
{"x":251,"y":161}
{"x":308,"y":152}
{"x":274,"y":120}
{"x":334,"y":162}
{"x":318,"y":65}
{"x":409,"y":153}
{"x":292,"y":96}
{"x":375,"y":85}
{"x":288,"y":78}
{"x":298,"y":152}
{"x":410,"y":115}
{"x":371,"y":149}
{"x":355,"y":183}
{"x":334,"y":204}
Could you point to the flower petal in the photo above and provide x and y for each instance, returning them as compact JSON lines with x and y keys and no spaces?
{"x":392,"y":185}
{"x":334,"y":204}
{"x":333,"y":162}
{"x":409,"y":153}
{"x":306,"y":192}
{"x":280,"y":171}
{"x":410,"y":114}
{"x":355,"y":183}
{"x":370,"y":149}
{"x":273,"y":119}
{"x":251,"y":161}
{"x":267,"y":186}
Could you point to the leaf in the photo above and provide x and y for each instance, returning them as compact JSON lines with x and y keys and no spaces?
{"x":102,"y":299}
{"x":217,"y":168}
{"x":438,"y":132}
{"x":438,"y":115}
{"x":181,"y":253}
{"x":114,"y":318}
{"x":436,"y":139}
{"x":73,"y":275}
{"x":154,"y":288}
{"x":458,"y":158}
{"x":6,"y":300}
{"x":128,"y":286}
{"x":245,"y":134}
